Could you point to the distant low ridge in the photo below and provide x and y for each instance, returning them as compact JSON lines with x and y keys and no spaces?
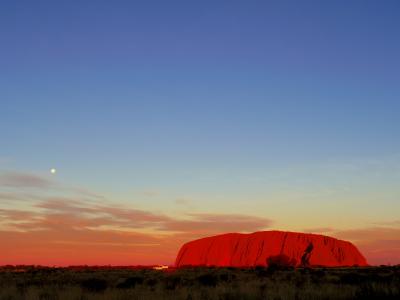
{"x":267,"y":248}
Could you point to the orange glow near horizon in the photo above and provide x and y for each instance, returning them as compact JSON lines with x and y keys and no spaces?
{"x":85,"y":229}
{"x":121,"y":249}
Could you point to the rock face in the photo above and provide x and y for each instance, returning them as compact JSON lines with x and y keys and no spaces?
{"x":267,"y":248}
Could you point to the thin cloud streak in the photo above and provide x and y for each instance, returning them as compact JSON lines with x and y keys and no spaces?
{"x":319,"y":230}
{"x":11,"y":197}
{"x":24,"y":180}
{"x":64,"y":231}
{"x":73,"y":213}
{"x":381,"y":245}
{"x":217,"y":223}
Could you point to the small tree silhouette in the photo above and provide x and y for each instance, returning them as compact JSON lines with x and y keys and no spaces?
{"x":130,"y":282}
{"x":94,"y":284}
{"x":281,"y":261}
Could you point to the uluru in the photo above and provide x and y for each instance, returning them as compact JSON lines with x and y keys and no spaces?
{"x":267,"y":247}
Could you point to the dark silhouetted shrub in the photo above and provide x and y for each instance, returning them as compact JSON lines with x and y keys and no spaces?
{"x":94,"y":284}
{"x":151,"y":282}
{"x":352,"y":278}
{"x":227,"y":277}
{"x":261,"y":271}
{"x":130,"y":283}
{"x":172,"y":282}
{"x":279,"y":262}
{"x":208,"y":279}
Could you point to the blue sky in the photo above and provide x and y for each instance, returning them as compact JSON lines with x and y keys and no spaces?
{"x":261,"y":107}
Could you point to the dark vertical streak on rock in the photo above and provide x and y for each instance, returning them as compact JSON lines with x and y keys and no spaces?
{"x":260,"y":251}
{"x":234,"y":250}
{"x":283,"y":242}
{"x":246,"y":250}
{"x":305,"y":259}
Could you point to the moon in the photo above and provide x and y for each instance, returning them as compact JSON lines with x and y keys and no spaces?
{"x":53,"y":171}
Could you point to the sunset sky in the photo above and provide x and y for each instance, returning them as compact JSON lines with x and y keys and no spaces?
{"x":172,"y":120}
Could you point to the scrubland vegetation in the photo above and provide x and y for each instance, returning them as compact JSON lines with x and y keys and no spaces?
{"x":112,"y":283}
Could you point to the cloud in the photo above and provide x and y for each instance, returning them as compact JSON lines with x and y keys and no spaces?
{"x":150,"y":193}
{"x":60,"y":234}
{"x":104,"y":215}
{"x":380,"y":245}
{"x":70,"y":246}
{"x":319,"y":229}
{"x":58,"y":224}
{"x":368,"y":234}
{"x":388,"y":223}
{"x":24,"y":180}
{"x":58,"y":227}
{"x":85,"y":192}
{"x":76,"y":213}
{"x":65,"y":205}
{"x":217,"y":223}
{"x":182,"y":201}
{"x":134,"y":216}
{"x":15,"y":215}
{"x":62,"y":230}
{"x":81,"y":227}
{"x":9,"y":197}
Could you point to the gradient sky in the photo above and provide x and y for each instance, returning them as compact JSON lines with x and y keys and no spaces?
{"x":172,"y":120}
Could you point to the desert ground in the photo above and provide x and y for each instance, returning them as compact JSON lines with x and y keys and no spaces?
{"x":87,"y":283}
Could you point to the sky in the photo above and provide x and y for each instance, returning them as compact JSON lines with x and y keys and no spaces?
{"x":172,"y":120}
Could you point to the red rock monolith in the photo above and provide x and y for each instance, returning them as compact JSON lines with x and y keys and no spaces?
{"x":267,"y":248}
